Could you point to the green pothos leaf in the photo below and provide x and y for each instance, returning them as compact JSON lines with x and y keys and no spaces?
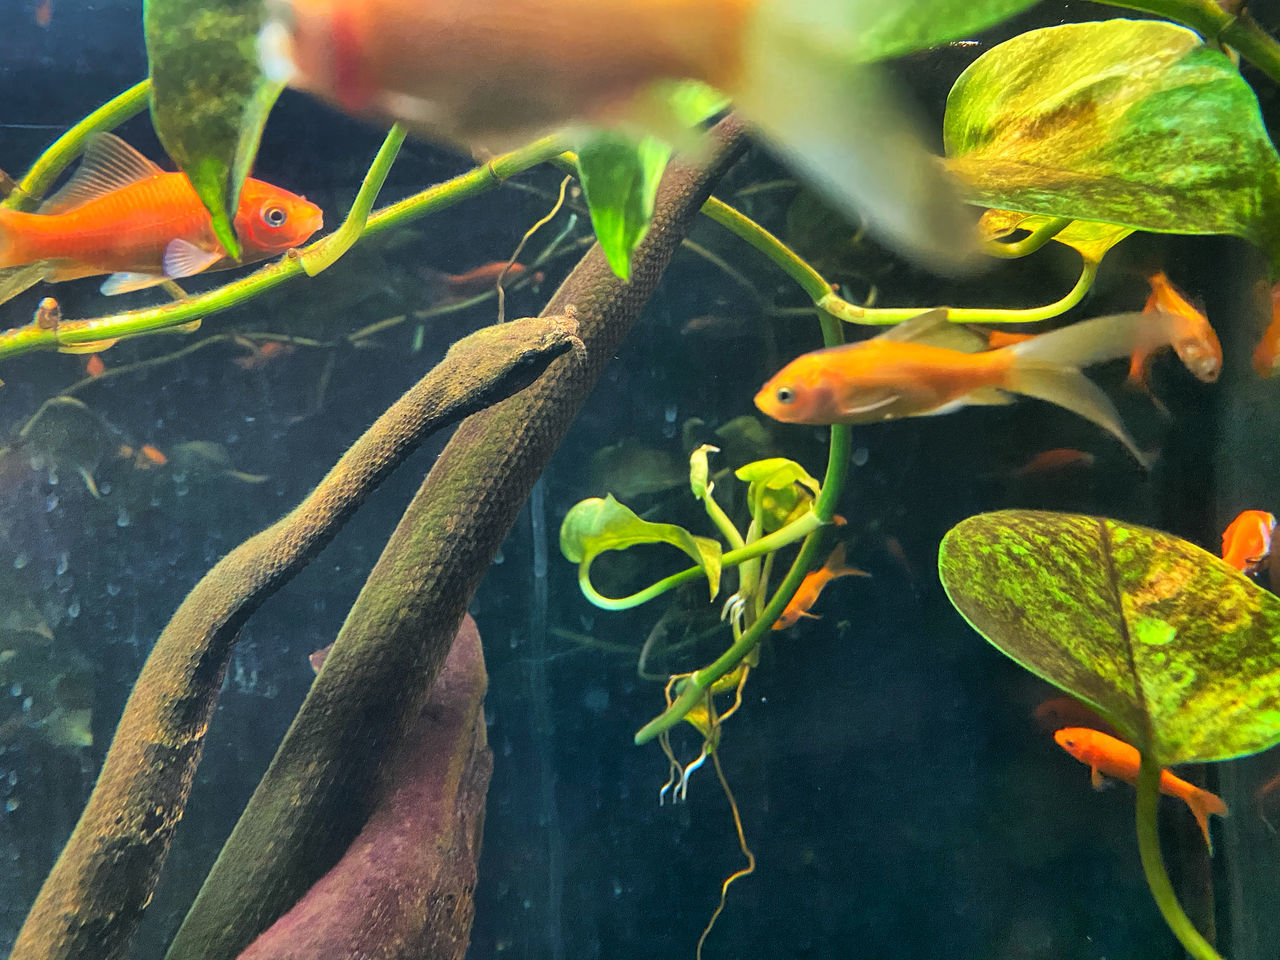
{"x":1091,"y":239}
{"x":1175,"y":648}
{"x":778,"y":489}
{"x":893,"y":29}
{"x":1128,"y":122}
{"x":209,"y":99}
{"x":594,"y":525}
{"x":620,"y":182}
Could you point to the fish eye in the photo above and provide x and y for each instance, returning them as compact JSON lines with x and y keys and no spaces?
{"x":275,"y":216}
{"x":785,"y":395}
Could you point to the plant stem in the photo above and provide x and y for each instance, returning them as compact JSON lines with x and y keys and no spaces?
{"x":1029,"y":244}
{"x":137,"y":322}
{"x":324,"y":254}
{"x":70,"y":145}
{"x":798,"y":269}
{"x":1153,"y":863}
{"x":1213,"y":23}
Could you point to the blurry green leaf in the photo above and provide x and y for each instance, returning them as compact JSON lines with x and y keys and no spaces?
{"x":699,"y":471}
{"x":691,"y":102}
{"x":893,"y":29}
{"x":1127,"y":122}
{"x":209,"y":99}
{"x":593,"y":526}
{"x":628,"y":469}
{"x":1176,"y":649}
{"x":1092,"y":240}
{"x":620,"y":181}
{"x":778,"y":490}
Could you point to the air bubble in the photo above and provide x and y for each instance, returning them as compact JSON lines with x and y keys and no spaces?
{"x":51,"y":504}
{"x":122,"y":517}
{"x":64,"y":561}
{"x":73,"y":608}
{"x":21,"y":560}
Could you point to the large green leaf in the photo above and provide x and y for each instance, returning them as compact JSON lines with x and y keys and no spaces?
{"x":1090,"y":239}
{"x":594,"y":525}
{"x":893,"y":29}
{"x":778,"y":490}
{"x":209,"y":99}
{"x":1178,"y":650}
{"x":1128,"y":122}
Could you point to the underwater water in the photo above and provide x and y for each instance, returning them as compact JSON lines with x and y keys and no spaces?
{"x":894,"y":786}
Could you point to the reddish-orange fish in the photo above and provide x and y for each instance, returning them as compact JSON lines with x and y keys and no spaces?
{"x":1246,"y":543}
{"x":894,"y":376}
{"x":811,"y":587}
{"x":149,"y":456}
{"x":1190,"y":334}
{"x":122,"y":214}
{"x":95,"y":366}
{"x":1115,"y":758}
{"x":262,"y":353}
{"x":44,"y":12}
{"x":1055,"y":460}
{"x":1266,"y":353}
{"x":477,"y":280}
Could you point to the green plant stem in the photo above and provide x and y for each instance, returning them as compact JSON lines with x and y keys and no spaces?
{"x":1153,"y":863}
{"x":324,"y":254}
{"x":1213,"y":23}
{"x":137,"y":322}
{"x":793,"y":265}
{"x":722,"y":522}
{"x":1029,"y":244}
{"x":71,"y":144}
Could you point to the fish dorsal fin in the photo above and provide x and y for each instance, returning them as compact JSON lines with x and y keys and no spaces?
{"x":108,"y":164}
{"x":921,"y":326}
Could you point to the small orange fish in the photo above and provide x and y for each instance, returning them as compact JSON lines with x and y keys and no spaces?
{"x":262,"y":353}
{"x":44,"y":12}
{"x":1054,"y":461}
{"x":1059,"y":712}
{"x":1190,"y":334}
{"x":1266,"y":353}
{"x":122,"y":214}
{"x":811,"y":587}
{"x":893,"y":376}
{"x":1246,"y":543}
{"x":148,"y":457}
{"x":478,"y":280}
{"x":1115,"y":758}
{"x":95,"y":366}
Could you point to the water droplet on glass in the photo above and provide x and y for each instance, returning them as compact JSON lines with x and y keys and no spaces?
{"x":51,"y":504}
{"x":181,"y":489}
{"x":64,"y":561}
{"x":73,"y":608}
{"x":15,"y":689}
{"x":104,"y":488}
{"x":11,"y":804}
{"x":122,"y":517}
{"x":21,"y":560}
{"x":13,"y":778}
{"x":113,"y":589}
{"x":860,"y":457}
{"x":670,"y":413}
{"x":499,"y":558}
{"x":53,"y":478}
{"x":179,"y":476}
{"x":27,"y":704}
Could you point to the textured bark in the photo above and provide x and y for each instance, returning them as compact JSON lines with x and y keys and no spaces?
{"x":91,"y":903}
{"x":397,"y":634}
{"x":405,"y":888}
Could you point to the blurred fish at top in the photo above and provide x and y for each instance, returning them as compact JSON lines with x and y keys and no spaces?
{"x":489,"y":76}
{"x":122,"y":214}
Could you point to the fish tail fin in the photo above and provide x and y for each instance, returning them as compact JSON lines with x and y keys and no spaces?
{"x":838,"y":121}
{"x":1095,"y":341}
{"x":7,"y":237}
{"x":838,"y":566}
{"x":1069,"y":388}
{"x":1202,"y":804}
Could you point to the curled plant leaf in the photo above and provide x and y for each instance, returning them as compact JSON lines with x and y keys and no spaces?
{"x":1175,"y":648}
{"x":778,"y":490}
{"x":1128,"y":122}
{"x":620,"y":182}
{"x":1090,"y":239}
{"x":700,"y":471}
{"x":209,"y":99}
{"x":593,"y":526}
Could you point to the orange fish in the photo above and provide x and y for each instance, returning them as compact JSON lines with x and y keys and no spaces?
{"x":894,"y":376}
{"x":1267,"y":351}
{"x":95,"y":366}
{"x":1005,"y":338}
{"x":811,"y":587}
{"x":1246,"y":543}
{"x":1059,"y":712}
{"x":262,"y":353}
{"x":490,"y":76}
{"x":478,"y":279}
{"x":1191,"y":336}
{"x":44,"y":12}
{"x":148,"y":457}
{"x":122,"y":214}
{"x":1115,"y":758}
{"x":1053,"y":461}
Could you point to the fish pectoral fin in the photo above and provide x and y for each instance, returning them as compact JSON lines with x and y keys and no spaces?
{"x":119,"y":283}
{"x":108,"y":164}
{"x":1097,"y":779}
{"x":859,"y":409}
{"x":184,"y":259}
{"x":14,"y":280}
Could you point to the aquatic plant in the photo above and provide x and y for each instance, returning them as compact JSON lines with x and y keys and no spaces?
{"x":1169,"y":644}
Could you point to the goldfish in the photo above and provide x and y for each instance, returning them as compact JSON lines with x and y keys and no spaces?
{"x":1191,"y":336}
{"x":490,"y":76}
{"x":94,"y":366}
{"x":898,"y":375}
{"x":812,"y":585}
{"x":148,"y":457}
{"x":477,"y":280}
{"x":1246,"y":543}
{"x":1267,"y":351}
{"x":121,"y":214}
{"x":1053,"y":461}
{"x":44,"y":12}
{"x":1115,"y":758}
{"x":262,"y":354}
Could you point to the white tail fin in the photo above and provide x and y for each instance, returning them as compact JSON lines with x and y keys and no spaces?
{"x":1095,"y":341}
{"x":839,"y":122}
